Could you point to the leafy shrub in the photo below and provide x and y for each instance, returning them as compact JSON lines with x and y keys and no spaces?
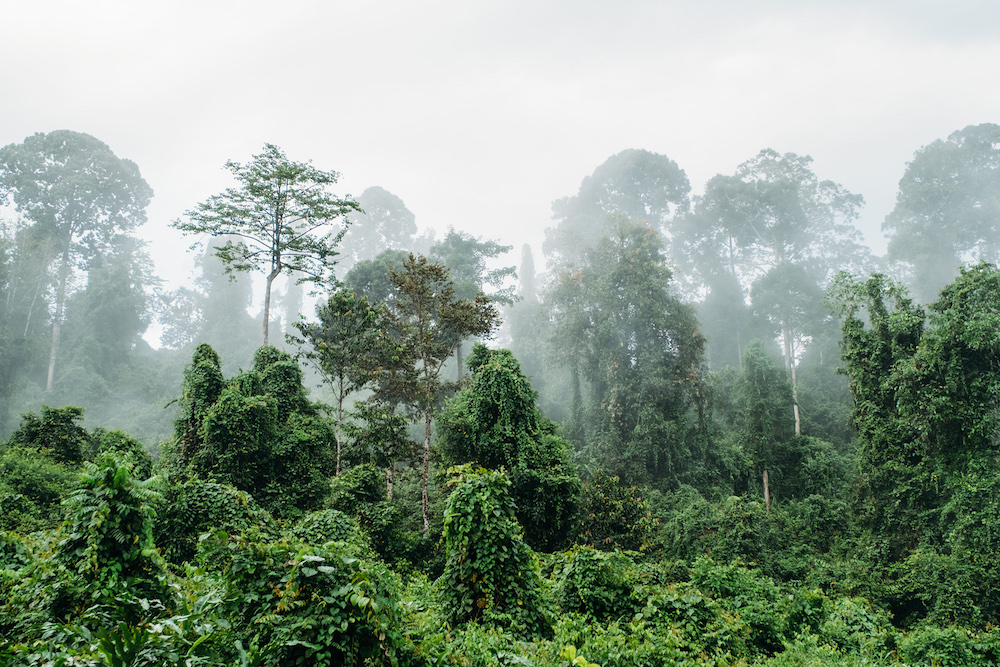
{"x":196,"y":506}
{"x":357,"y":487}
{"x":944,"y":647}
{"x":103,"y":440}
{"x":326,"y":526}
{"x":597,"y":584}
{"x":31,"y":488}
{"x":614,"y":516}
{"x":490,"y":574}
{"x":56,"y":433}
{"x":317,"y":605}
{"x":755,"y":598}
{"x":108,"y":537}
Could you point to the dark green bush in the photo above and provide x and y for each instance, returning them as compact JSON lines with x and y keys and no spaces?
{"x":597,"y":584}
{"x":491,"y":575}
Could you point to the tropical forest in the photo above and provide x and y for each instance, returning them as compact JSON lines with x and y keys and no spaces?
{"x":709,"y":429}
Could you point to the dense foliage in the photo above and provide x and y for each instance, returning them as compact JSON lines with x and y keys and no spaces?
{"x":658,"y":464}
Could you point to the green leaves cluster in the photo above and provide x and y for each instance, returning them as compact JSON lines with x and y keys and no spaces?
{"x":491,"y":576}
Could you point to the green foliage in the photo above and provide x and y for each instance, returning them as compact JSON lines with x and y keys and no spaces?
{"x":620,"y":327}
{"x":31,"y":488}
{"x":319,"y":605}
{"x":259,"y":433}
{"x":495,"y":423}
{"x":274,"y":216}
{"x":597,"y":584}
{"x":108,"y":537}
{"x":102,"y":440}
{"x":324,"y":526}
{"x":491,"y":576}
{"x":946,"y":647}
{"x":195,"y":507}
{"x":614,"y":516}
{"x":55,"y":433}
{"x":358,"y":487}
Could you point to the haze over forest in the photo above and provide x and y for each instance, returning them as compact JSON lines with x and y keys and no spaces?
{"x":507,"y":335}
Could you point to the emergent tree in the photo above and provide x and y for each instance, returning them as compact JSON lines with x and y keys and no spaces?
{"x":279,"y":216}
{"x":77,"y":193}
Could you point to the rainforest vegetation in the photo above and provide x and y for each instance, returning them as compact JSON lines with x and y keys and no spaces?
{"x":706,"y":429}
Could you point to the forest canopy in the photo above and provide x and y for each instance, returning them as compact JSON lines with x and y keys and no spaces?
{"x":715,"y":430}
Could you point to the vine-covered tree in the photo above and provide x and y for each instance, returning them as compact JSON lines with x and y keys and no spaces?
{"x":279,"y":215}
{"x":494,"y":423}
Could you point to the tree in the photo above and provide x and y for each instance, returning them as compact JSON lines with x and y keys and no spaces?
{"x":429,"y":321}
{"x":276,"y":214}
{"x":947,"y":208}
{"x":773,"y":212}
{"x":347,"y":343}
{"x":79,"y":194}
{"x":494,"y":423}
{"x":385,"y":224}
{"x":466,"y":257}
{"x":636,"y":184}
{"x":621,"y":326}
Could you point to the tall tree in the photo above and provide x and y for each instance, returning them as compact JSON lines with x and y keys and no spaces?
{"x":947,"y":208}
{"x":619,"y":322}
{"x":279,"y":215}
{"x":346,"y":346}
{"x":384,"y":223}
{"x":79,"y":194}
{"x":772,"y":212}
{"x":467,"y":258}
{"x":634,"y":183}
{"x":429,"y":321}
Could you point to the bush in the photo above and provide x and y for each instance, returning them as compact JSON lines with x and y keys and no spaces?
{"x":597,"y":584}
{"x":490,"y":574}
{"x":197,"y":506}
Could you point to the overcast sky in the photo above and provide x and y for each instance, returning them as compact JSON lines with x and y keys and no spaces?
{"x":479,"y":114}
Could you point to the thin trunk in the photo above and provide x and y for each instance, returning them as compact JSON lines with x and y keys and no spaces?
{"x":340,"y":422}
{"x":767,"y":493}
{"x":267,"y":301}
{"x":57,"y":323}
{"x":427,"y":467}
{"x":458,"y":356}
{"x":786,"y":336}
{"x":390,"y":480}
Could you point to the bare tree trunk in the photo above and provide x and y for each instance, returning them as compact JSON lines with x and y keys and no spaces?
{"x":390,"y":480}
{"x":786,"y":336}
{"x":267,"y":302}
{"x":767,"y":493}
{"x":458,"y":357}
{"x":340,"y":422}
{"x":427,"y":467}
{"x":57,"y":322}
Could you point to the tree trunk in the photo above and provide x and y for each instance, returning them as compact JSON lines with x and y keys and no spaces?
{"x":458,"y":357}
{"x":390,"y":480}
{"x":767,"y":492}
{"x":427,"y":466}
{"x":267,"y":302}
{"x":786,"y":336}
{"x":340,"y":421}
{"x":57,"y":322}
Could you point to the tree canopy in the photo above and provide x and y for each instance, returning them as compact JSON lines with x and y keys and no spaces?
{"x":277,"y":220}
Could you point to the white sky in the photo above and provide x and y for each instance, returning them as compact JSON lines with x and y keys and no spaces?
{"x":479,"y":114}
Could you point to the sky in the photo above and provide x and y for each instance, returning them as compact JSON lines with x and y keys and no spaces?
{"x":480,"y":114}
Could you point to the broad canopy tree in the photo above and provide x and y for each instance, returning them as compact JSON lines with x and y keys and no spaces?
{"x":637,"y":184}
{"x":279,"y":216}
{"x":947,"y":208}
{"x":77,"y":193}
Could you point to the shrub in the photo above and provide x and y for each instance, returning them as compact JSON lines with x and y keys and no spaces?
{"x":490,"y":574}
